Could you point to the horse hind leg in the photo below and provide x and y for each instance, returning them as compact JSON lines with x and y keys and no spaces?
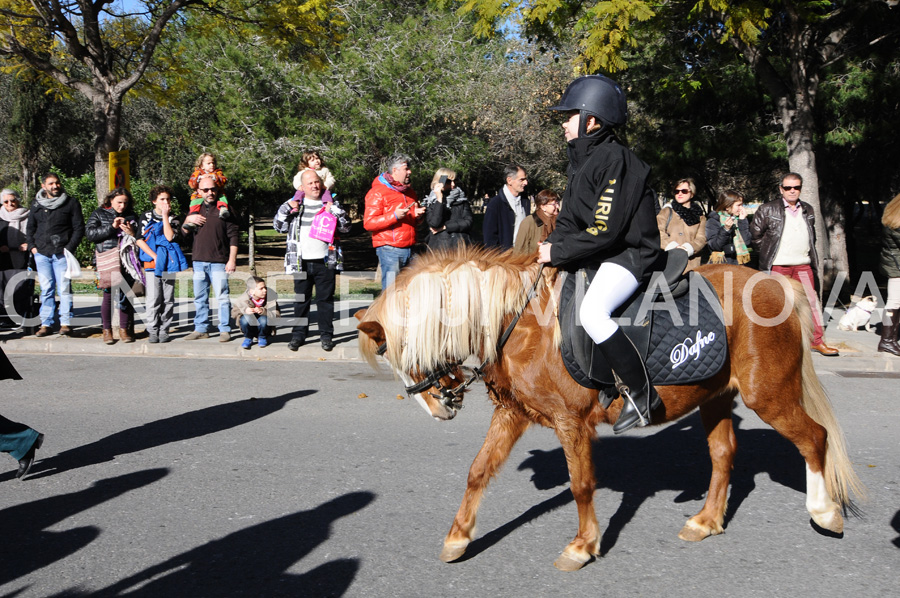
{"x":507,"y":426}
{"x":782,"y":410}
{"x":716,"y":417}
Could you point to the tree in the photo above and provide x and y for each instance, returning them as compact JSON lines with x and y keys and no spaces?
{"x":791,"y":46}
{"x":102,"y":51}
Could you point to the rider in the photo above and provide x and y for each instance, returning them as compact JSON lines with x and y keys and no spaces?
{"x":607,"y":221}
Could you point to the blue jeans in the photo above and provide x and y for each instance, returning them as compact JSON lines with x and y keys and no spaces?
{"x":391,"y":260}
{"x":206,"y":273}
{"x":51,"y":275}
{"x":259,"y":329}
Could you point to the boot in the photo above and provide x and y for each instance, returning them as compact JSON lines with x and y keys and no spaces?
{"x":889,"y":326}
{"x":108,"y":336}
{"x":633,"y":382}
{"x":125,"y":335}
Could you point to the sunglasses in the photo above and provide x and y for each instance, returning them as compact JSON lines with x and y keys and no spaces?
{"x":207,"y":190}
{"x":680,"y":191}
{"x":792,"y":187}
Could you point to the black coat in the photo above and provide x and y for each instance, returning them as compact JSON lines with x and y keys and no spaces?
{"x":719,"y":239}
{"x":607,"y":210}
{"x":52,"y":231}
{"x":456,"y":219}
{"x":890,"y":252}
{"x":768,"y":226}
{"x":499,"y":227}
{"x":99,"y":228}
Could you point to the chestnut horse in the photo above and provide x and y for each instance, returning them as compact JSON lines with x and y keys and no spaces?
{"x":449,"y":306}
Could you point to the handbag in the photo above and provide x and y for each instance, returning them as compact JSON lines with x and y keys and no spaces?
{"x":109,"y":268}
{"x":323,"y":226}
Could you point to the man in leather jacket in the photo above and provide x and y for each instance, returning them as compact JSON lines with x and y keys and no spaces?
{"x":783,"y":232}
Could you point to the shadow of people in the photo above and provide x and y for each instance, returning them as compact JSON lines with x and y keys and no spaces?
{"x":253,"y":561}
{"x":28,"y":546}
{"x":895,"y":523}
{"x":183,"y":426}
{"x":674,"y":459}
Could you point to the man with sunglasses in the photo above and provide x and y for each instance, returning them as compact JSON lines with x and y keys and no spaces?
{"x":214,"y":254}
{"x":783,"y":232}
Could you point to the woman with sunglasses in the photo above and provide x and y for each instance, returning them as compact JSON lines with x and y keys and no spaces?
{"x":606,"y":223}
{"x":13,"y":256}
{"x":683,"y":223}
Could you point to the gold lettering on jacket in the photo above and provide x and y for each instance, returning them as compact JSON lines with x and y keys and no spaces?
{"x":601,"y":214}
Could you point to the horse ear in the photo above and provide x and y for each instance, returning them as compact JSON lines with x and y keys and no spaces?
{"x":374,"y":330}
{"x":361,"y":313}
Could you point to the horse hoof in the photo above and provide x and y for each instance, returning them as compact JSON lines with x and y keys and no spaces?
{"x":832,"y":521}
{"x":694,"y":532}
{"x":452,"y":552}
{"x":566,"y":562}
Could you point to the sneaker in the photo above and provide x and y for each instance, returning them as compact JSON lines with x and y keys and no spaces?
{"x":152,"y":337}
{"x":327,"y":344}
{"x":43,"y":331}
{"x":263,"y":342}
{"x":296,"y":343}
{"x":224,"y":213}
{"x":195,"y":335}
{"x":224,"y":337}
{"x":164,"y":337}
{"x":65,"y":330}
{"x":249,"y":341}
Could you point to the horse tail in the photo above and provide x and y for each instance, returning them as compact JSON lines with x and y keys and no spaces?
{"x":840,"y":479}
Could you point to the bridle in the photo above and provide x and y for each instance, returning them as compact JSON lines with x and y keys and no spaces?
{"x":452,"y":398}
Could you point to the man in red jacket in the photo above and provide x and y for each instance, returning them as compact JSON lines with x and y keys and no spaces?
{"x":391,"y":215}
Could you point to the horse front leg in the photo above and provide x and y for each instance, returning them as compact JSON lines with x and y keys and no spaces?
{"x":576,"y":442}
{"x":507,"y":426}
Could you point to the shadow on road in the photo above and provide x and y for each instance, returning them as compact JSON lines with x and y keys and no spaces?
{"x":253,"y":561}
{"x":676,"y":458}
{"x":183,"y":426}
{"x":27,"y":546}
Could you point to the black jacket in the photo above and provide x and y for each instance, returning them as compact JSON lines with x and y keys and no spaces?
{"x":607,"y":210}
{"x":52,"y":231}
{"x":457,"y":220}
{"x":719,"y":239}
{"x":499,"y":225}
{"x":767,"y":227}
{"x":99,"y":228}
{"x":890,"y":252}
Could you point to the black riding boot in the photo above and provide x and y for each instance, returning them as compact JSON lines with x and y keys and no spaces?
{"x":889,"y":327}
{"x":633,"y":382}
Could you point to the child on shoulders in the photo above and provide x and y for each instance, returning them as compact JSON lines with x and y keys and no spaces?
{"x":313,"y":161}
{"x":207,"y":165}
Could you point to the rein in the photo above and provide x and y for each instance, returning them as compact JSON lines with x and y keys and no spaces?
{"x":452,"y":397}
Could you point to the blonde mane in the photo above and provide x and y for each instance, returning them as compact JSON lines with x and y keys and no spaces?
{"x":450,"y":305}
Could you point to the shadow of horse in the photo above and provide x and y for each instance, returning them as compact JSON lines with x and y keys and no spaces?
{"x":183,"y":426}
{"x":674,"y":459}
{"x":29,"y":546}
{"x":253,"y":561}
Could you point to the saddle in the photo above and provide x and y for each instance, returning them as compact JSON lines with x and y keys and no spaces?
{"x":675,"y":321}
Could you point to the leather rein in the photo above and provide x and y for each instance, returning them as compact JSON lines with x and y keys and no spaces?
{"x":452,"y":398}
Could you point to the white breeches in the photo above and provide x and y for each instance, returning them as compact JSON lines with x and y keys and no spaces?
{"x":611,"y":287}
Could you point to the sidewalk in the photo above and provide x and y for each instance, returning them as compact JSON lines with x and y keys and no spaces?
{"x":858,"y":349}
{"x":87,"y":337}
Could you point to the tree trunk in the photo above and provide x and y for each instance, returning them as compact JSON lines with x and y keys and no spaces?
{"x":107,"y":127}
{"x":251,"y":244}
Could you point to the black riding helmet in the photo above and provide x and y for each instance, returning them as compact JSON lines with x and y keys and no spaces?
{"x":598,"y":96}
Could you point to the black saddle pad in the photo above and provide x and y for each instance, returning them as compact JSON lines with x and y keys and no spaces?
{"x":682,"y":339}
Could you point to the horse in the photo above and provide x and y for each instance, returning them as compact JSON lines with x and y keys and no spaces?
{"x":450,"y":306}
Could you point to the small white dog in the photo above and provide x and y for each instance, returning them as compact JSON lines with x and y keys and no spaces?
{"x":859,"y":315}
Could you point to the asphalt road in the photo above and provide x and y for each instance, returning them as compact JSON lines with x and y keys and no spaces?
{"x":192,"y":477}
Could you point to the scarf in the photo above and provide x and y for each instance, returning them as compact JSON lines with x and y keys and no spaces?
{"x":740,"y":247}
{"x":388,"y":180}
{"x":51,"y":203}
{"x":549,"y":224}
{"x":258,"y":302}
{"x":691,"y":215}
